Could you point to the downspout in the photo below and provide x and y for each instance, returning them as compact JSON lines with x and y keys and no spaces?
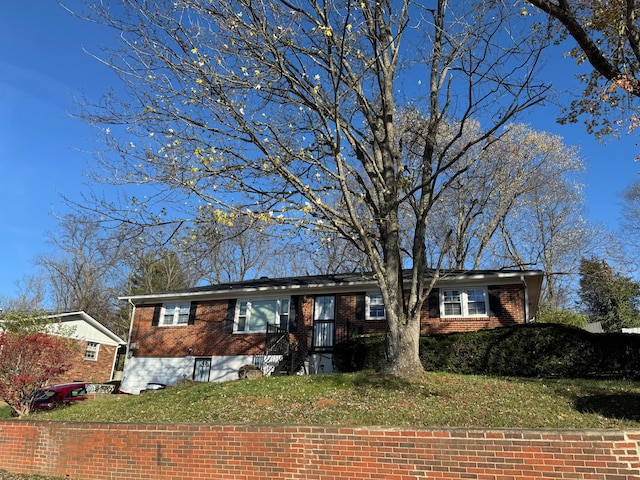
{"x":133,"y":312}
{"x":526,"y":300}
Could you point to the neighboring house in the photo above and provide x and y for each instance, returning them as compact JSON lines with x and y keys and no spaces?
{"x":208,"y":333}
{"x":596,"y":327}
{"x":99,"y":353}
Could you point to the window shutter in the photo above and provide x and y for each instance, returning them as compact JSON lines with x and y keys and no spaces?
{"x":293,"y":311}
{"x":192,"y":313}
{"x":156,"y":315}
{"x":231,"y":314}
{"x":495,"y":306}
{"x":360,"y":306}
{"x":434,"y":303}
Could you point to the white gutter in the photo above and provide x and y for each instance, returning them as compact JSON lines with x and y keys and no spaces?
{"x":301,"y":289}
{"x":309,"y":288}
{"x":526,"y":300}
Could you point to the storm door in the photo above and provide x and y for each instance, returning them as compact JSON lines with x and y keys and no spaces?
{"x":323,"y":322}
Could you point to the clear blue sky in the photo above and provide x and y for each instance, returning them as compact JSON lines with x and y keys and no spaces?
{"x":44,"y":151}
{"x":42,"y":65}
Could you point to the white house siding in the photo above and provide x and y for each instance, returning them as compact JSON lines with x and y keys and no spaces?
{"x":139,"y":371}
{"x":631,"y":330}
{"x":81,"y":330}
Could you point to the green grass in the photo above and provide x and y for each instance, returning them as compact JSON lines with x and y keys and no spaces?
{"x":366,"y":398}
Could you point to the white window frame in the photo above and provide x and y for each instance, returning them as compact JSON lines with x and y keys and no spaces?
{"x":179,"y":310}
{"x":324,"y":313}
{"x":464,"y":302}
{"x":282,"y":317}
{"x":91,"y":352}
{"x":369,"y":303}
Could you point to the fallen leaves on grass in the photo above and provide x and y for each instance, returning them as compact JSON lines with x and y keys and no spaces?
{"x":370,"y":399}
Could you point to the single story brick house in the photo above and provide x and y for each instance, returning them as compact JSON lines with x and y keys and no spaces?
{"x":291,"y":324}
{"x":97,"y":356}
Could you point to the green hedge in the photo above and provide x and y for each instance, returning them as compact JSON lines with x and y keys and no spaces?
{"x":364,"y":352}
{"x":534,"y":350}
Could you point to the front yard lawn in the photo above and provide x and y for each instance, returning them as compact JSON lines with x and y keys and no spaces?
{"x":367,"y":398}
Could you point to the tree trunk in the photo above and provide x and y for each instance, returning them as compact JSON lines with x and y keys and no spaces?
{"x":402,"y":348}
{"x":403,"y":324}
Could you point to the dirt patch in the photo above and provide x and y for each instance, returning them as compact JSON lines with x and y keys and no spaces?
{"x":265,"y":402}
{"x":325,"y":403}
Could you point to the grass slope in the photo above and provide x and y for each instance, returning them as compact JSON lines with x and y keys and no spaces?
{"x":366,"y":398}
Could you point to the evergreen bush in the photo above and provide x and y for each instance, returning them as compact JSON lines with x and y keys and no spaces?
{"x":535,"y":350}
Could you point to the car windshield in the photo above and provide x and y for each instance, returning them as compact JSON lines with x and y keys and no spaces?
{"x":45,"y":394}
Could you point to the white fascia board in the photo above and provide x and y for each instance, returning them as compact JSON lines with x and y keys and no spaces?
{"x":93,"y":322}
{"x":498,"y":278}
{"x":243,"y":292}
{"x":326,"y":288}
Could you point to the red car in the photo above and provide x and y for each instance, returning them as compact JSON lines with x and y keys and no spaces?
{"x":57,"y":395}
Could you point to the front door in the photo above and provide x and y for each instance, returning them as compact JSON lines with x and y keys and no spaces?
{"x":202,"y":369}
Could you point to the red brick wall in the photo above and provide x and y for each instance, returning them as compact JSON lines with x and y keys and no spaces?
{"x":210,"y":334}
{"x":106,"y":451}
{"x":512,"y":312}
{"x":95,"y":371}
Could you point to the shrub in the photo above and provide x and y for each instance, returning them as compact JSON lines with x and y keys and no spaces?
{"x":542,"y":351}
{"x":562,"y":317}
{"x":533,"y":350}
{"x":28,"y":362}
{"x":365,"y":352}
{"x":457,"y":352}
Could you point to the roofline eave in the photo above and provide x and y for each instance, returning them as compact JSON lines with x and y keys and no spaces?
{"x":326,"y":287}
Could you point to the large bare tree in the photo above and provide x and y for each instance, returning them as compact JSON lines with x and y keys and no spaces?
{"x":522,"y":206}
{"x":293,"y":112}
{"x":521,"y":164}
{"x":83,"y":272}
{"x":630,"y":222}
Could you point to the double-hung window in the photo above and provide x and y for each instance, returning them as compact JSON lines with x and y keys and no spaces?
{"x":253,"y":315}
{"x":463,"y":302}
{"x":91,"y":352}
{"x":375,"y":306}
{"x":175,"y":314}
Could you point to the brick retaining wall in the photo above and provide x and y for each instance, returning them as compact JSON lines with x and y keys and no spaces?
{"x":93,"y":451}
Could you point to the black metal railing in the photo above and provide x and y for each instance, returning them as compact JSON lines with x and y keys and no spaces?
{"x":278,"y":343}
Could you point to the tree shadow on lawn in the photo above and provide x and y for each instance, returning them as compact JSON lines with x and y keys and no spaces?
{"x":622,"y":406}
{"x":366,"y":381}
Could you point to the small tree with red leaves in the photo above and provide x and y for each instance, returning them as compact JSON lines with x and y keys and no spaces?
{"x":28,"y":362}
